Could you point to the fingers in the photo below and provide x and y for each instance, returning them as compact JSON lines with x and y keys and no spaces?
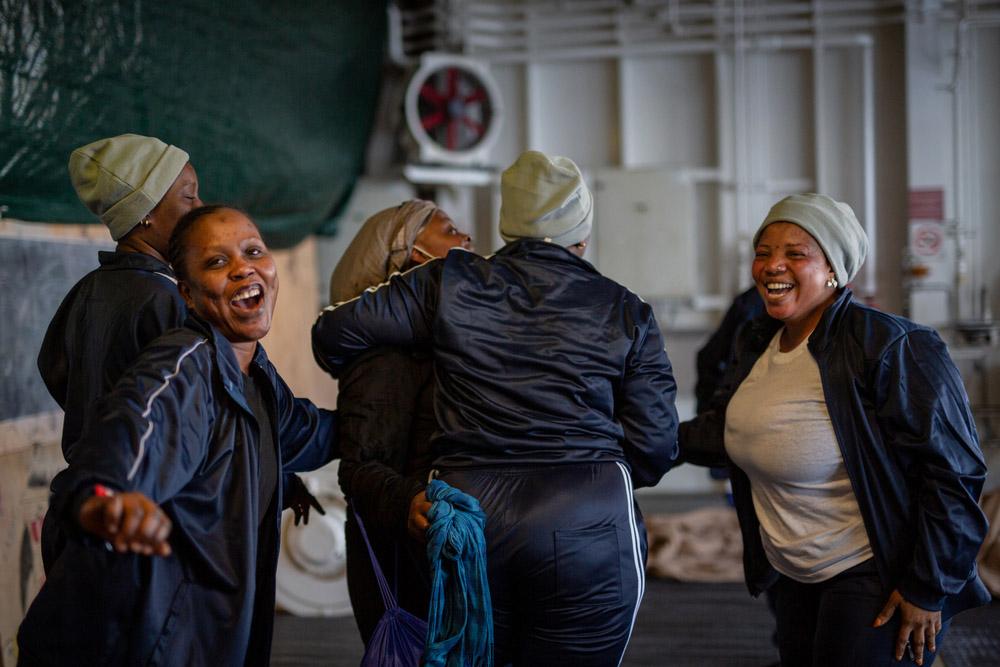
{"x":113,"y":508}
{"x":416,"y":522}
{"x":162,"y":547}
{"x":929,"y":640}
{"x":100,"y":515}
{"x":416,"y":526}
{"x":133,"y":513}
{"x":129,"y":522}
{"x":917,"y":646}
{"x":152,"y":533}
{"x":888,"y":610}
{"x":315,"y":503}
{"x":143,"y":527}
{"x":918,"y":631}
{"x":902,"y":642}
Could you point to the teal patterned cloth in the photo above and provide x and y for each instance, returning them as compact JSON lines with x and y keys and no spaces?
{"x":460,"y":618}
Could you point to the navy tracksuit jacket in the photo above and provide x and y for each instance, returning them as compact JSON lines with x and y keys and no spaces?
{"x":555,"y":398}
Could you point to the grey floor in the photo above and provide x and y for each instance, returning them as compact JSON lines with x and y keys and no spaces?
{"x":679,"y":624}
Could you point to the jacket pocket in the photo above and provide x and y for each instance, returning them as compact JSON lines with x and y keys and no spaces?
{"x":166,"y":647}
{"x":588,"y":566}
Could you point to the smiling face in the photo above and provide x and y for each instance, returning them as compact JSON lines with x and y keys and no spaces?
{"x":229,"y":277}
{"x":437,"y":237}
{"x":791,"y":271}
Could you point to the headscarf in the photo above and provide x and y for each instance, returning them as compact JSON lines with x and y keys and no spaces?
{"x":381,"y":247}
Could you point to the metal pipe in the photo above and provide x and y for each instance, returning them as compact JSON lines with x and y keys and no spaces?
{"x":819,"y":104}
{"x":868,"y":168}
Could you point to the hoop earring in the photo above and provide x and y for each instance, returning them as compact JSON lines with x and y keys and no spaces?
{"x":831,"y":282}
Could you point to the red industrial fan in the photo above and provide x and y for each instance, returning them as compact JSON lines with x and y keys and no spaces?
{"x":452,"y":110}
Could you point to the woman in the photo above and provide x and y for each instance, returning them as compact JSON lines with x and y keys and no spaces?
{"x":139,"y":187}
{"x":196,"y":433}
{"x":554,"y":398}
{"x":385,"y":403}
{"x":856,"y":467}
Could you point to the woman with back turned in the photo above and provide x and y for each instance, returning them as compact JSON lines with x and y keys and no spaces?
{"x":555,"y":398}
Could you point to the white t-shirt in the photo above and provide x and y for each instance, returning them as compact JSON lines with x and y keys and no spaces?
{"x":778,"y":431}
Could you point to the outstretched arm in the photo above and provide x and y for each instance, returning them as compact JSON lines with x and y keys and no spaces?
{"x":147,"y":439}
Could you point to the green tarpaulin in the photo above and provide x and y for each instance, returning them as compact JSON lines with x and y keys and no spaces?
{"x":274,"y":100}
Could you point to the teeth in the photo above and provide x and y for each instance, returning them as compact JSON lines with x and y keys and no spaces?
{"x":778,"y":285}
{"x":247,"y":293}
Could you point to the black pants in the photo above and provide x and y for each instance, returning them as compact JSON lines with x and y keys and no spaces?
{"x":830,"y":623}
{"x":404,"y":563}
{"x":566,"y":558}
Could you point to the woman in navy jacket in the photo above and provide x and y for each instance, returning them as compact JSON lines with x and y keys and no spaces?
{"x":857,"y":490}
{"x":196,"y":434}
{"x":555,"y":398}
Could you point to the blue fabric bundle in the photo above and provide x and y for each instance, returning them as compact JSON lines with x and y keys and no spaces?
{"x":460,"y":618}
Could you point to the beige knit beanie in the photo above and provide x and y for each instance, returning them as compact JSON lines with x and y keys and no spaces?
{"x":544,"y":197}
{"x":121,"y":179}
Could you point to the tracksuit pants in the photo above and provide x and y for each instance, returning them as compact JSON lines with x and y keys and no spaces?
{"x":566,"y":558}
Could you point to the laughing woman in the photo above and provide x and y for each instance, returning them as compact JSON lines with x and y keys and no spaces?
{"x":856,"y":466}
{"x":194,"y":436}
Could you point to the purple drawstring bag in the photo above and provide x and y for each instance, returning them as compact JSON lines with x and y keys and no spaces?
{"x":399,"y":636}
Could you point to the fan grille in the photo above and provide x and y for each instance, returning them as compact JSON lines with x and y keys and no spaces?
{"x":454,"y":108}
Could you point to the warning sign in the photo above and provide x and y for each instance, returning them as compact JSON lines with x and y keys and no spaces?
{"x":926,"y":240}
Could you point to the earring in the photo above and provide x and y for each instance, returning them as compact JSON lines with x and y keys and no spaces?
{"x":145,"y":222}
{"x":582,"y":244}
{"x":831,"y":282}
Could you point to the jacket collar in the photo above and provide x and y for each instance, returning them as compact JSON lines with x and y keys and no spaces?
{"x":225,"y":358}
{"x":829,"y":324}
{"x":117,"y":261}
{"x":764,"y":327}
{"x":538,"y":249}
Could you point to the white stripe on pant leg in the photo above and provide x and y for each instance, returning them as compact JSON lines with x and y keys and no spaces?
{"x":149,"y":408}
{"x":636,"y":556}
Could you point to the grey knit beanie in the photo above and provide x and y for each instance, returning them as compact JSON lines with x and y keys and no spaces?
{"x":833,"y":225}
{"x":544,"y":197}
{"x":121,"y":179}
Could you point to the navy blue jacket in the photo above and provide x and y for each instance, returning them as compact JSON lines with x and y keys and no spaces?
{"x":902,"y":419}
{"x":716,"y":355}
{"x":102,"y":325}
{"x":177,"y":428}
{"x":538,"y":358}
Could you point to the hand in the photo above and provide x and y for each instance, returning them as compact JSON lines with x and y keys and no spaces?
{"x":300,"y":500}
{"x":918,"y":627}
{"x":129,"y":522}
{"x":416,"y":522}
